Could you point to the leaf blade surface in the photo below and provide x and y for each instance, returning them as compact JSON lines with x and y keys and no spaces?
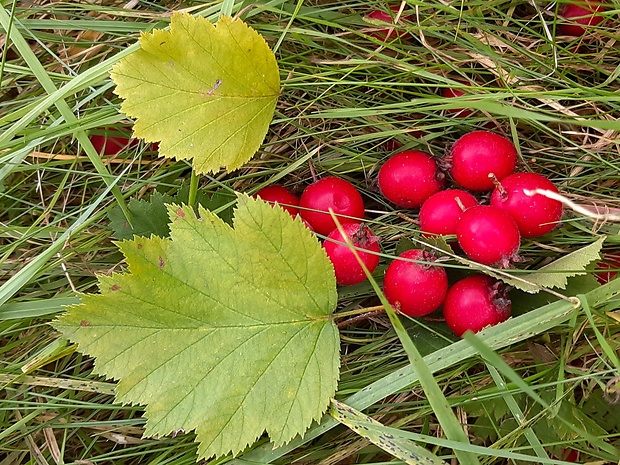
{"x":205,"y":92}
{"x":218,"y":329}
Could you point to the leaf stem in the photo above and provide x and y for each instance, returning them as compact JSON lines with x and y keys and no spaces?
{"x":364,"y":316}
{"x":193,"y":189}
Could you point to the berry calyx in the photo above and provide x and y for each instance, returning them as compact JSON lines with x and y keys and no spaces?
{"x":415,"y":289}
{"x":410,"y":177}
{"x":488,"y":235}
{"x":474,"y":303}
{"x":346,"y":266}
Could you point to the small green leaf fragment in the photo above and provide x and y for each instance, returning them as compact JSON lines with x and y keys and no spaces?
{"x":404,"y":449}
{"x":556,"y":273}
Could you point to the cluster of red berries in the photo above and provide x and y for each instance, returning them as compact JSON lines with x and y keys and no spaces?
{"x":415,"y":284}
{"x":478,"y":162}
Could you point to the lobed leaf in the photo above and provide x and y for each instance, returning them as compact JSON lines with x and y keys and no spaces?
{"x":205,"y":92}
{"x":221,"y":330}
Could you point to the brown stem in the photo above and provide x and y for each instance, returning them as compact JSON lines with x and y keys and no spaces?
{"x":362,"y":317}
{"x":502,"y":192}
{"x":459,"y":203}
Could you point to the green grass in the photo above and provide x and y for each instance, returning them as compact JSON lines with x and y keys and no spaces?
{"x":544,"y":382}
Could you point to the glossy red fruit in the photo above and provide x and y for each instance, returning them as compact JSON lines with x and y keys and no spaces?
{"x":449,"y":92}
{"x":415,"y":289}
{"x":410,"y":177}
{"x":389,"y":33}
{"x":569,"y":455}
{"x":280,"y":194}
{"x":441,"y":211}
{"x":479,"y":153}
{"x":488,"y":235}
{"x":574,"y":18}
{"x":535,"y":215}
{"x":474,"y":303}
{"x":348,"y":269}
{"x":111,"y":141}
{"x":607,"y":268}
{"x":331,"y":193}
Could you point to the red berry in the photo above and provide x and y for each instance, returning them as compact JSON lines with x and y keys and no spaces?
{"x":410,"y":177}
{"x":535,"y":215}
{"x":441,"y":211}
{"x":331,"y":193}
{"x":474,"y":303}
{"x":574,"y":18}
{"x":347,"y":268}
{"x":488,"y":235}
{"x":479,"y":153}
{"x":448,"y":92}
{"x":111,"y":141}
{"x":280,"y":194}
{"x":607,"y":268}
{"x":569,"y":455}
{"x":389,"y":33}
{"x":415,"y":289}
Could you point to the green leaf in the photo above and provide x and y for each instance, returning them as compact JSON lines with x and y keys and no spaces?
{"x":401,"y":448}
{"x":151,"y":216}
{"x":556,"y":273}
{"x":147,"y":217}
{"x":204,"y":92}
{"x":219,"y":330}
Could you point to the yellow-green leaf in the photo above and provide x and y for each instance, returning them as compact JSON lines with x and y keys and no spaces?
{"x":221,"y":330}
{"x":556,"y":273}
{"x":205,"y":92}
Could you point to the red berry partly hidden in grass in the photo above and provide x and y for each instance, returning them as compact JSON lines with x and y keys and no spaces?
{"x":415,"y":289}
{"x":535,"y":215}
{"x":280,"y":194}
{"x":478,"y":154}
{"x":488,"y":235}
{"x":347,"y":268}
{"x":441,"y":211}
{"x":474,"y":303}
{"x":607,"y":268}
{"x":449,"y":92}
{"x":574,"y":18}
{"x":331,"y":193}
{"x":410,"y":177}
{"x":111,"y":141}
{"x":389,"y":33}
